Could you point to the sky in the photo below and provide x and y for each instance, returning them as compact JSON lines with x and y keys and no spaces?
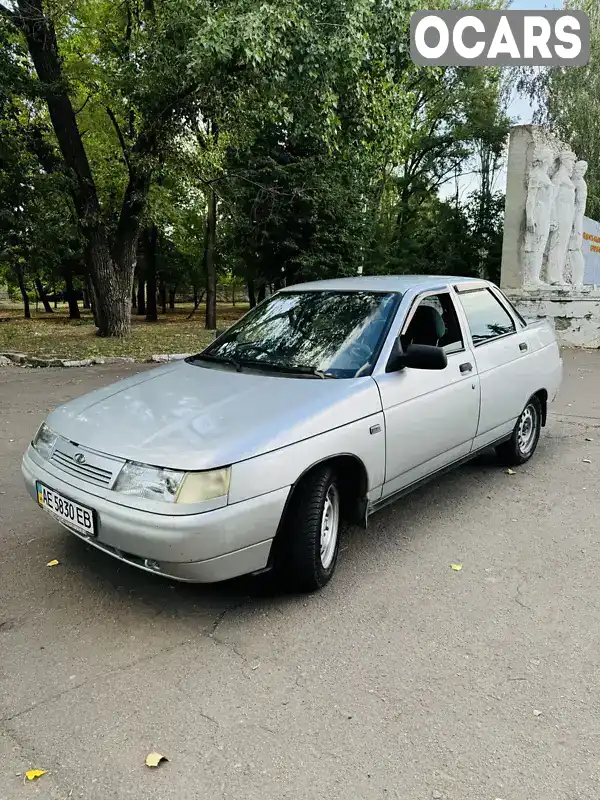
{"x":520,"y":107}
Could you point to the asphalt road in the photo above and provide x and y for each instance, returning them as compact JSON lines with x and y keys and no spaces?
{"x":402,"y":679}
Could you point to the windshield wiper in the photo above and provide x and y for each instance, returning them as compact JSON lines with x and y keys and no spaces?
{"x":299,"y":370}
{"x":217,"y":360}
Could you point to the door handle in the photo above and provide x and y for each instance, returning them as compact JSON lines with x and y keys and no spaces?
{"x":466,"y":367}
{"x":523,"y":346}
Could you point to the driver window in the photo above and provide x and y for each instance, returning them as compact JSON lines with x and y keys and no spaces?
{"x":434,"y":322}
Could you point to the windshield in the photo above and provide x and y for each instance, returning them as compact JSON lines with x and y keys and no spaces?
{"x":324,"y":333}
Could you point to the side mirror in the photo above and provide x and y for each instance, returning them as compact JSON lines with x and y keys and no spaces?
{"x":417,"y":356}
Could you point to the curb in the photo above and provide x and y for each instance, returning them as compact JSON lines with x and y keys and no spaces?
{"x":24,"y":360}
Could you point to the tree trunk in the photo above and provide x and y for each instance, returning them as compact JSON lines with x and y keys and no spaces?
{"x":251,"y":293}
{"x":86,"y":298}
{"x":24,"y":295}
{"x":211,"y":270}
{"x":133,"y":298}
{"x":162,"y":293}
{"x":71,"y":299}
{"x":43,"y":296}
{"x":112,"y":292}
{"x":171,"y":299}
{"x":197,"y":301}
{"x":55,"y":298}
{"x":150,"y":239}
{"x":141,"y":298}
{"x":262,"y":292}
{"x":233,"y":294}
{"x":92,"y":297}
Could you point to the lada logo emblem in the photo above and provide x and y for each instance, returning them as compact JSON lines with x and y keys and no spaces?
{"x":79,"y":458}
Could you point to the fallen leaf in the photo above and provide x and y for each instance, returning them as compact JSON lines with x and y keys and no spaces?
{"x":589,"y":439}
{"x":154,"y":759}
{"x":510,"y":471}
{"x":587,"y":461}
{"x":34,"y":774}
{"x":55,"y":562}
{"x":456,"y":567}
{"x":537,"y":713}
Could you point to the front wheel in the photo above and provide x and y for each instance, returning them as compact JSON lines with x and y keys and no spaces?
{"x":525,"y":436}
{"x":308,"y":544}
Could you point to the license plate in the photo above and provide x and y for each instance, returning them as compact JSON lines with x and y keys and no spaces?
{"x":66,"y":511}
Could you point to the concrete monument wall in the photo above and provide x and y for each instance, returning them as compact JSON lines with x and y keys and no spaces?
{"x":546,"y":244}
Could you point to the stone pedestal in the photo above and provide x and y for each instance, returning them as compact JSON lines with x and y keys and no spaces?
{"x":574,"y":316}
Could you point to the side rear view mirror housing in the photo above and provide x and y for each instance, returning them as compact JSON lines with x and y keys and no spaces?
{"x":416,"y":356}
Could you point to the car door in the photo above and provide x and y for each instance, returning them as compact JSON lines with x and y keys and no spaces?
{"x":430,"y":416}
{"x":501,"y":349}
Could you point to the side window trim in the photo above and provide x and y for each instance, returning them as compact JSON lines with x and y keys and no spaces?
{"x":497,"y":299}
{"x":459,"y":316}
{"x":508,"y":306}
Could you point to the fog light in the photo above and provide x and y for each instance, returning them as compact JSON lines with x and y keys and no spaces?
{"x":151,"y":564}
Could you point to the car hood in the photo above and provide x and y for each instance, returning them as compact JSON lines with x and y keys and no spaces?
{"x":195,"y":417}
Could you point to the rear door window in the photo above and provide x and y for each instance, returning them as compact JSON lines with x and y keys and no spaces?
{"x":486,"y":316}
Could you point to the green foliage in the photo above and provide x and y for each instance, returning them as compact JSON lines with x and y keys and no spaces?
{"x":569,"y":100}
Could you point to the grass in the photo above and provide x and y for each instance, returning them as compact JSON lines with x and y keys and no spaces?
{"x":56,"y":336}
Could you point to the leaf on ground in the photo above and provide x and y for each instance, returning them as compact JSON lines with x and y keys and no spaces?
{"x":54,"y":563}
{"x":34,"y":774}
{"x":456,"y":567}
{"x":587,"y":461}
{"x":589,"y":439}
{"x":510,"y":471}
{"x":154,"y":759}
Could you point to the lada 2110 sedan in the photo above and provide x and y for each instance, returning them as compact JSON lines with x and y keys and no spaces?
{"x":322,"y":404}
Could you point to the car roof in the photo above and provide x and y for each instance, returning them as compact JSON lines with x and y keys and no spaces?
{"x":384,"y":283}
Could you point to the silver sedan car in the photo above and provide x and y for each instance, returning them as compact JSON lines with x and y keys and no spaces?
{"x":319,"y":406}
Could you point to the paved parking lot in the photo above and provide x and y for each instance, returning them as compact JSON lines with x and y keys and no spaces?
{"x":402,"y":679}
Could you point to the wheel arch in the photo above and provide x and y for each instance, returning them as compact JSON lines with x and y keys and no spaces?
{"x":542,"y":396}
{"x":354,"y":486}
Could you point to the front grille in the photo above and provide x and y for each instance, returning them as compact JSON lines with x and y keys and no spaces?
{"x":90,"y":471}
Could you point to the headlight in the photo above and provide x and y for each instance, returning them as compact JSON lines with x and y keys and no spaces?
{"x":44,"y":441}
{"x":171,"y":486}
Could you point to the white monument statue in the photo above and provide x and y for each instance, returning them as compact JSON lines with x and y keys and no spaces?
{"x":563,"y":211}
{"x":538,"y":212}
{"x":543,"y":219}
{"x":548,"y":242}
{"x":575,"y":259}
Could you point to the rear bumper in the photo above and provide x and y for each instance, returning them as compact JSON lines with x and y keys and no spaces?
{"x":199,"y":548}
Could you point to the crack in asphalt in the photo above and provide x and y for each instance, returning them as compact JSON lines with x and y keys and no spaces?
{"x":517,"y":597}
{"x":141,"y":660}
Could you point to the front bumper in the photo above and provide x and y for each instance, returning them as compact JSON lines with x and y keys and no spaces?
{"x":199,"y":548}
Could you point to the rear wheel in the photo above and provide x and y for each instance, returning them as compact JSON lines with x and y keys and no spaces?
{"x":525,"y":436}
{"x":308,"y":544}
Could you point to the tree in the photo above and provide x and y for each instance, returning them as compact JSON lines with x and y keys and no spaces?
{"x":131,"y":64}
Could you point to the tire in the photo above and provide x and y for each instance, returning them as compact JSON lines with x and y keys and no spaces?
{"x":309,"y":540}
{"x":525,"y":436}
